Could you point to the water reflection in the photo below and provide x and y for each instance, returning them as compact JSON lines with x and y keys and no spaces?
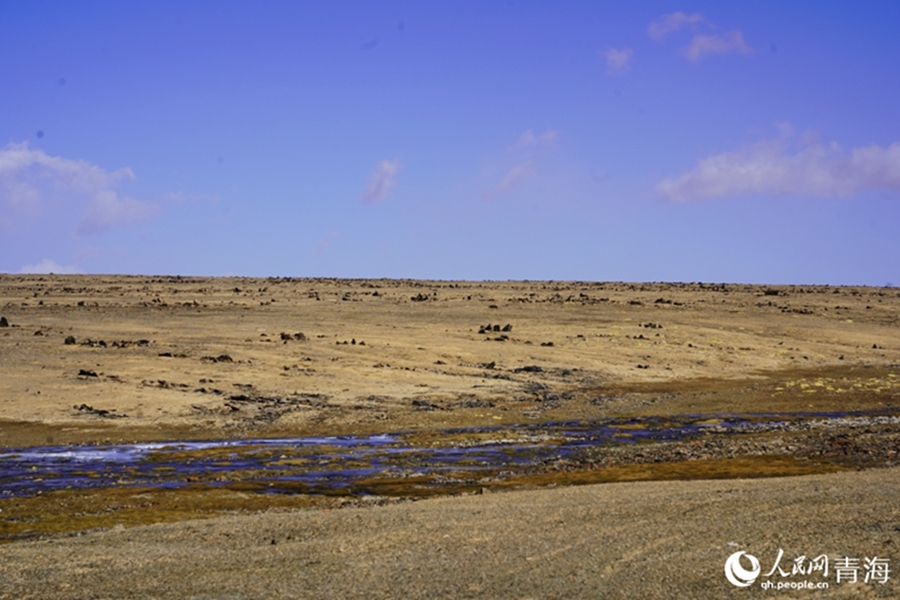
{"x":319,"y":463}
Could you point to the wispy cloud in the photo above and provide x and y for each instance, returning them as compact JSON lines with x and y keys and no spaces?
{"x":617,"y":61}
{"x":182,"y":198}
{"x":513,"y":179}
{"x":767,"y":167}
{"x":26,"y":174}
{"x":666,"y":24}
{"x":47,"y":266}
{"x":326,"y":241}
{"x":107,"y":210}
{"x":381,"y":182}
{"x":529,"y":139}
{"x":528,"y":150}
{"x":702,"y":46}
{"x":515,"y":176}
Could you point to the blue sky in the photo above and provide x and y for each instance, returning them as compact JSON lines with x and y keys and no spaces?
{"x":749,"y":142}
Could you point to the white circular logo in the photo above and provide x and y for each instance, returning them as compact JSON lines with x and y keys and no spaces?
{"x":737,"y":574}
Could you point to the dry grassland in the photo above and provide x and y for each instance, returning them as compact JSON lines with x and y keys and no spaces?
{"x":171,"y":357}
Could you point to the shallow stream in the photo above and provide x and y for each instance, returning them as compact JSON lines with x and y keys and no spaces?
{"x":320,"y":464}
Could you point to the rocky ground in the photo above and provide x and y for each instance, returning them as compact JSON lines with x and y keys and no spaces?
{"x":100,"y":359}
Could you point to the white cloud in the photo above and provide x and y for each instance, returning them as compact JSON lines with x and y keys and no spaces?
{"x":513,"y":179}
{"x":107,"y":210}
{"x":528,"y":138}
{"x":381,"y":182}
{"x":767,"y":167}
{"x":529,"y":150}
{"x":701,"y":45}
{"x":704,"y":45}
{"x":78,"y":174}
{"x":26,"y":175}
{"x":617,"y":61}
{"x":47,"y":267}
{"x":666,"y":24}
{"x":515,"y":176}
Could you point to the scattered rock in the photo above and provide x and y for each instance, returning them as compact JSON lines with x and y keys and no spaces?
{"x":261,"y":409}
{"x":425,"y":405}
{"x":222,"y":358}
{"x":162,"y":383}
{"x":106,"y":414}
{"x":541,"y":393}
{"x":70,"y":340}
{"x":495,"y":327}
{"x":4,"y":322}
{"x":127,"y":343}
{"x":86,"y":373}
{"x":299,"y":336}
{"x":476,"y":403}
{"x":601,"y":400}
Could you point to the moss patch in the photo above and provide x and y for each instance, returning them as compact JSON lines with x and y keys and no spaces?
{"x":69,"y":510}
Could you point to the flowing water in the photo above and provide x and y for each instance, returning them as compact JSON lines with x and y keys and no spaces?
{"x":318,"y":464}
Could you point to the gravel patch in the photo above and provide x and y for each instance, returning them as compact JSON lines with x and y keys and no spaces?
{"x":629,"y":540}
